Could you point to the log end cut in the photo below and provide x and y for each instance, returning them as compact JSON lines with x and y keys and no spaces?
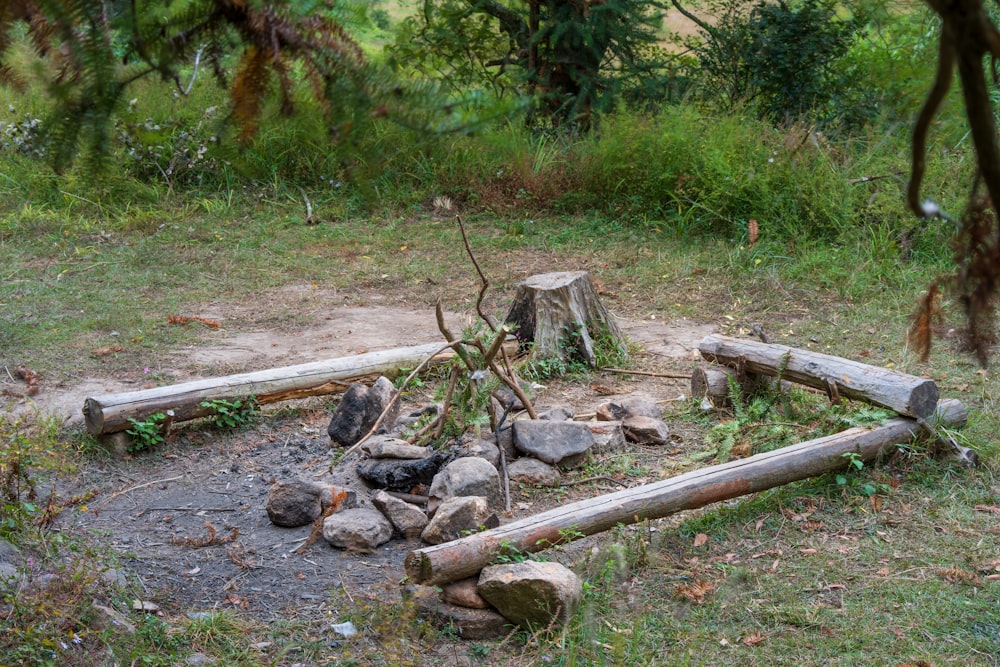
{"x":93,"y":416}
{"x":923,"y":399}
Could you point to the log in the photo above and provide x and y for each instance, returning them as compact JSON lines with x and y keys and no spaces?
{"x":906,"y":394}
{"x":110,"y":413}
{"x":560,"y":316}
{"x":713,"y":383}
{"x":468,"y":555}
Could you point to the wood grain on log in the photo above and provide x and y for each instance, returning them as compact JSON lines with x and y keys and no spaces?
{"x":906,"y":394}
{"x":110,"y":413}
{"x":466,"y":556}
{"x":560,"y":315}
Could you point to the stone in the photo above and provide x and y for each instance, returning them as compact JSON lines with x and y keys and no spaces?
{"x":469,"y":623}
{"x":646,"y":430}
{"x":464,"y":594}
{"x":456,"y":517}
{"x":359,"y":409}
{"x":564,"y":443}
{"x":609,"y":436}
{"x":385,"y":447}
{"x":483,"y":449}
{"x":532,"y":594}
{"x":401,"y":474}
{"x":300,"y":502}
{"x":409,"y":520}
{"x":528,"y":470}
{"x":633,"y":405}
{"x":361,"y":530}
{"x":469,"y":476}
{"x":559,"y":413}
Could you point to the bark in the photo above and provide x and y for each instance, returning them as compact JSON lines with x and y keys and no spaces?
{"x":466,"y":556}
{"x":906,"y":394}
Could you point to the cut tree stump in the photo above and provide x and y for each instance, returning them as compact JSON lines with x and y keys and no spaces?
{"x":111,"y":412}
{"x":905,"y":394}
{"x":466,"y":556}
{"x":560,"y":316}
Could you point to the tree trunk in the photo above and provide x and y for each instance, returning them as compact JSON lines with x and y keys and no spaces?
{"x":110,"y":413}
{"x":468,"y":555}
{"x":560,"y":315}
{"x":906,"y":394}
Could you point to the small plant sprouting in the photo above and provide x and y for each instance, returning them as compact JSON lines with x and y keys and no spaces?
{"x":855,"y":464}
{"x":231,"y":414}
{"x":146,"y":433}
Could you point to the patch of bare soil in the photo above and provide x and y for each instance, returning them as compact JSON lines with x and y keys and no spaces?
{"x":188,"y":520}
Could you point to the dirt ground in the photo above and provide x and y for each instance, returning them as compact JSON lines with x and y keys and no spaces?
{"x":156,"y":509}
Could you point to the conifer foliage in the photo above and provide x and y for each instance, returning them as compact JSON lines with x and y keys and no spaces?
{"x":96,"y":48}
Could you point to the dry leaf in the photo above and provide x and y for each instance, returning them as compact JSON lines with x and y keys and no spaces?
{"x":812,"y":526}
{"x":754,"y":639}
{"x":696,"y":590}
{"x":956,"y":576}
{"x":700,"y":539}
{"x":753,"y":230}
{"x":808,"y":552}
{"x":987,"y":508}
{"x":105,"y":351}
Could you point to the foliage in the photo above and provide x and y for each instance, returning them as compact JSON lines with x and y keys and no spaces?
{"x":777,"y":56}
{"x":573,"y":58}
{"x":146,"y":433}
{"x":237,"y":413}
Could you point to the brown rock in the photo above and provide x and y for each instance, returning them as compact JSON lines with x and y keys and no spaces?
{"x":464,"y":594}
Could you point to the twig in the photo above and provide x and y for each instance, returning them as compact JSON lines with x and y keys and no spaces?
{"x":411,"y":498}
{"x":503,"y":460}
{"x":395,"y":398}
{"x":343,"y":585}
{"x":450,"y":337}
{"x":515,"y":387}
{"x":309,"y":208}
{"x":625,"y":371}
{"x":443,"y":417}
{"x":135,"y":488}
{"x":482,"y":277}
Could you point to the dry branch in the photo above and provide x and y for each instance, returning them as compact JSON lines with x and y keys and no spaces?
{"x":466,"y":556}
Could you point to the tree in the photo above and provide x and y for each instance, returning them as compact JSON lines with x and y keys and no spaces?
{"x":96,"y":49}
{"x":776,"y":55}
{"x":572,"y":56}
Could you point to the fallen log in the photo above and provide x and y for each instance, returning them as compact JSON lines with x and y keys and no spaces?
{"x":468,"y":555}
{"x":905,"y":394}
{"x":111,"y":412}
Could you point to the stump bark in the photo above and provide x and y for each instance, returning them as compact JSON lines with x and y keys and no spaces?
{"x":560,"y":316}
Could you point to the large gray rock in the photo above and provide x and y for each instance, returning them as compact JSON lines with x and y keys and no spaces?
{"x":408,"y":519}
{"x":457,"y":517}
{"x":361,"y":530}
{"x":469,"y":476}
{"x":608,"y":436}
{"x":633,"y":405}
{"x":359,"y":409}
{"x":646,"y":430}
{"x":300,"y":502}
{"x":401,"y":474}
{"x":563,"y":443}
{"x":559,"y":413}
{"x":532,"y":594}
{"x":530,"y":470}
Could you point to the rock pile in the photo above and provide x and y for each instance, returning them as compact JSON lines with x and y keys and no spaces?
{"x":417,"y":493}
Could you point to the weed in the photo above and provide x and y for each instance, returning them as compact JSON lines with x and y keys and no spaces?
{"x":28,"y":451}
{"x":146,"y":433}
{"x":229,"y":415}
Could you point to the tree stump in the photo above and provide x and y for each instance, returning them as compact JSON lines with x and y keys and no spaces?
{"x":560,"y":316}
